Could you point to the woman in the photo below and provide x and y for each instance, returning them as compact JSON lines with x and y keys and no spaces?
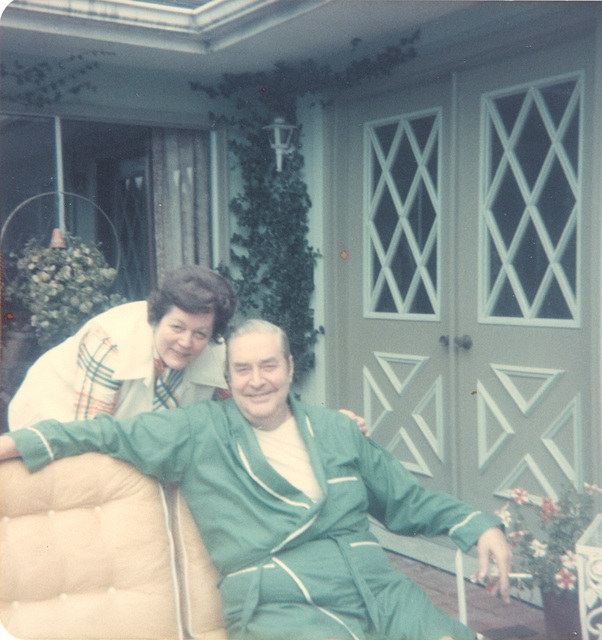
{"x":141,"y":356}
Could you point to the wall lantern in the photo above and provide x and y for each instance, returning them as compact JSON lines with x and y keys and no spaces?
{"x":281,"y":138}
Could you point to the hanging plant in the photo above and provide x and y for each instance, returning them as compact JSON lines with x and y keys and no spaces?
{"x":272,"y":263}
{"x":59,"y":289}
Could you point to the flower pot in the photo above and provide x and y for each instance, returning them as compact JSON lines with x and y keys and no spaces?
{"x":561,"y":615}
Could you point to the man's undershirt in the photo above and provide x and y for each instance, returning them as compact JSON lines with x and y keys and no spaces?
{"x":285,"y":450}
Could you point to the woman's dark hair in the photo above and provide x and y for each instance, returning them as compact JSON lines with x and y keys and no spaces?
{"x":194,"y":289}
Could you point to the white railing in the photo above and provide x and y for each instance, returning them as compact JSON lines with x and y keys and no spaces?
{"x":589,"y":567}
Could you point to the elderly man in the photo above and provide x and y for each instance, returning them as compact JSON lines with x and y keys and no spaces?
{"x":281,"y":492}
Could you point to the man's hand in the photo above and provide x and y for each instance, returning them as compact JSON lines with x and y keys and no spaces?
{"x":8,"y":448}
{"x":492,"y":545}
{"x":361,"y":423}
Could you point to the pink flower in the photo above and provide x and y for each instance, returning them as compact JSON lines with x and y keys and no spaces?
{"x":491,"y":582}
{"x":566,"y":579}
{"x":492,"y":585}
{"x":549,"y":506}
{"x":548,"y":509}
{"x":520,"y":496}
{"x":569,"y":560}
{"x":591,"y":488}
{"x":539,"y":549}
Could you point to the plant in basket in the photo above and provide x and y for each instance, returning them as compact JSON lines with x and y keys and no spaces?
{"x":57,"y":289}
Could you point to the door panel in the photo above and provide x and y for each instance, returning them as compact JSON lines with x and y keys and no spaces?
{"x":401,"y":321}
{"x":524,"y":388}
{"x":472,"y":332}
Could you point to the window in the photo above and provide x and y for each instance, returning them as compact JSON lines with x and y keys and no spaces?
{"x":531,"y":204}
{"x":402,"y":212}
{"x":106,"y":164}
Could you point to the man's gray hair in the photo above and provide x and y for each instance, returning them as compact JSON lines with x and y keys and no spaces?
{"x":256,"y":325}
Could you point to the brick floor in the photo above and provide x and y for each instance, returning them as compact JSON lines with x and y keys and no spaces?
{"x":486,"y":614}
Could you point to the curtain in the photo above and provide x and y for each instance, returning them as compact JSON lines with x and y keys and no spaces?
{"x":181,"y":198}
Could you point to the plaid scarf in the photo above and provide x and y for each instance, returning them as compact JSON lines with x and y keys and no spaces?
{"x":167,"y":381}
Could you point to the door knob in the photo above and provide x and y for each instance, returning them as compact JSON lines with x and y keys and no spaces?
{"x":463,"y":342}
{"x":444,"y":341}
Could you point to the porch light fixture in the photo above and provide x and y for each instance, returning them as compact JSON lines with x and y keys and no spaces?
{"x":281,"y":138}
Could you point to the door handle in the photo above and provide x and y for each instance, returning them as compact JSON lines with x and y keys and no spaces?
{"x":463,"y":342}
{"x":444,"y":341}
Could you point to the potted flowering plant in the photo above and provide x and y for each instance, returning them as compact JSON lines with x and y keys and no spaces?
{"x":543,"y":533}
{"x":57,"y":289}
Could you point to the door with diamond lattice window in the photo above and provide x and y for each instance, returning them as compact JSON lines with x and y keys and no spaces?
{"x":525,"y":386}
{"x":473,"y":333}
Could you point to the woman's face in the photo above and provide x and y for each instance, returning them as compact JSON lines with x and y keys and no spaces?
{"x":180,"y":337}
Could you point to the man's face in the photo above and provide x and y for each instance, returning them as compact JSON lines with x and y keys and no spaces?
{"x":260,"y":377}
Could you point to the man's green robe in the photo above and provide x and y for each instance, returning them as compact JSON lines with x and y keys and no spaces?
{"x":290,"y":568}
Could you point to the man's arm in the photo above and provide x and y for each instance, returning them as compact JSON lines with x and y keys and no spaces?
{"x":157,"y":443}
{"x":8,"y":448}
{"x":405,"y":507}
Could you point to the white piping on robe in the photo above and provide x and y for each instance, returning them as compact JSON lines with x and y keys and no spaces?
{"x":294,"y":534}
{"x":307,"y":596}
{"x":265,"y":486}
{"x":343,"y":479}
{"x":308,"y":423}
{"x":465,"y":521}
{"x":43,"y":439}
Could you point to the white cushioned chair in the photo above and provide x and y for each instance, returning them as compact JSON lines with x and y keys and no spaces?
{"x":92,"y":548}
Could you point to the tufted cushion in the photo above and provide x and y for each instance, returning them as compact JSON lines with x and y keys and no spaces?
{"x":87,"y":553}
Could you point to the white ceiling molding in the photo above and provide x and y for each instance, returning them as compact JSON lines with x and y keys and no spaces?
{"x":212,"y":26}
{"x":206,"y":40}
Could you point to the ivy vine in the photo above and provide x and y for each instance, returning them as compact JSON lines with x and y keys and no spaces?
{"x":271,"y":256}
{"x":41,"y":84}
{"x":272,"y":263}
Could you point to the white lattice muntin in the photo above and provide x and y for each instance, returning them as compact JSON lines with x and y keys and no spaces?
{"x":402,"y":210}
{"x":428,"y":415}
{"x":413,"y":461}
{"x":530,"y":204}
{"x":527,"y":469}
{"x":589,"y":564}
{"x":493,"y":428}
{"x":570,"y":421}
{"x":400,"y":368}
{"x":376,"y":405}
{"x":527,"y":386}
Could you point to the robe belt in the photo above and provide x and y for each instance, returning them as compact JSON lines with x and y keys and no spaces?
{"x":253,"y":590}
{"x":251,"y":601}
{"x":360,"y":583}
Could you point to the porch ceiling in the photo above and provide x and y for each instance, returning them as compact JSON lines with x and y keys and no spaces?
{"x":210,"y":38}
